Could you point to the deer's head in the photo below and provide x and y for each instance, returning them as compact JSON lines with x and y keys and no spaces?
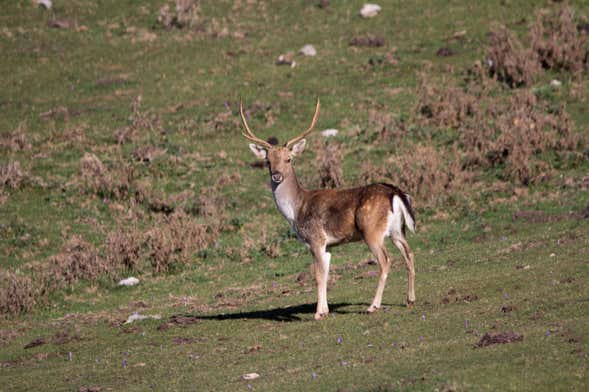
{"x":279,"y":158}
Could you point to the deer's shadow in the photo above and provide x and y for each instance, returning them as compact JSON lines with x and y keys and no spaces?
{"x":287,"y":314}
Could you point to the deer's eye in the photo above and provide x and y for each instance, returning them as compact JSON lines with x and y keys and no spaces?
{"x":288,"y":160}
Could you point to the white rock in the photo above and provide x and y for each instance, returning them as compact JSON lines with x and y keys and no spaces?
{"x":131,"y":281}
{"x":138,"y":317}
{"x":329,"y":132}
{"x":308,"y":50}
{"x":555,"y":83}
{"x":47,"y":4}
{"x":370,"y":10}
{"x":250,"y":376}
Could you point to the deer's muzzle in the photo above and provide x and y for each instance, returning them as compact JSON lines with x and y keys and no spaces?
{"x":277,"y":177}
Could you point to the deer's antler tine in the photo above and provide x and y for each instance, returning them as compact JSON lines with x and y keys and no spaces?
{"x":302,"y":135}
{"x":248,"y":132}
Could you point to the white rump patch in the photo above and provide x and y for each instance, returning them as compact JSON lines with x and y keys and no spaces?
{"x":396,"y":219}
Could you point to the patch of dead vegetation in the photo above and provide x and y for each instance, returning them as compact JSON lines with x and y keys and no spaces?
{"x":328,"y":164}
{"x":113,"y":184}
{"x":12,"y":175}
{"x":16,"y":140}
{"x":444,"y":105}
{"x":124,"y":247}
{"x":140,"y":121}
{"x":18,"y":293}
{"x":175,"y":238}
{"x":186,"y":13}
{"x":179,"y":320}
{"x":523,"y":131}
{"x":367,"y":40}
{"x":557,"y":41}
{"x":148,"y":153}
{"x":78,"y":260}
{"x":489,"y":339}
{"x":509,"y":61}
{"x":452,"y":296}
{"x":256,"y":240}
{"x":427,"y":174}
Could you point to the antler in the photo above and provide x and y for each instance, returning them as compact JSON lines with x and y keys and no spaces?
{"x":302,"y":135}
{"x":248,"y":133}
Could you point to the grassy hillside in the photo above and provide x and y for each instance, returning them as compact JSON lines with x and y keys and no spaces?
{"x":121,"y":155}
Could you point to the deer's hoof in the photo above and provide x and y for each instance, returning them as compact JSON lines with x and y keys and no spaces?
{"x":372,"y":309}
{"x":321,"y":316}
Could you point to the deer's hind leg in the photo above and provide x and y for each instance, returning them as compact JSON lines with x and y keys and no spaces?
{"x":399,"y":240}
{"x":378,"y":249}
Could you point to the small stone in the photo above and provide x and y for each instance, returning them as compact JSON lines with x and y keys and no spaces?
{"x":250,"y":376}
{"x":47,"y":4}
{"x":555,"y":83}
{"x":329,"y":132}
{"x":308,"y":50}
{"x":131,"y":281}
{"x":138,"y":317}
{"x":370,"y":10}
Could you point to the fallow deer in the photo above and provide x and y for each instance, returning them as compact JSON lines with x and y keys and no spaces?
{"x":328,"y":217}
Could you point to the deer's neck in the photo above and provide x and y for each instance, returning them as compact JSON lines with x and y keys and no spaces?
{"x":288,"y":197}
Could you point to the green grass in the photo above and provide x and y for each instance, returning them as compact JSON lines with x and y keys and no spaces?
{"x":253,"y":315}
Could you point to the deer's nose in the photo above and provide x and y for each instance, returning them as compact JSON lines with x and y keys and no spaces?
{"x":277,"y":177}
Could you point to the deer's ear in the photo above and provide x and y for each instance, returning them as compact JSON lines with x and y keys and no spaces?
{"x":258,"y":151}
{"x":298,"y":147}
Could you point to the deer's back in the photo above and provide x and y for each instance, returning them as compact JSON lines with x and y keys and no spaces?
{"x":344,"y":215}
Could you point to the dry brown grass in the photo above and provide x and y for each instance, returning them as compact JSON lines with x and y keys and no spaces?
{"x":387,"y":127}
{"x":515,"y":134}
{"x":12,"y":175}
{"x":78,"y":260}
{"x":427,"y":174}
{"x":148,"y":153}
{"x":114,"y":184}
{"x":444,"y":105}
{"x":16,"y":140}
{"x":329,"y":165}
{"x":256,"y":239}
{"x":175,"y":238}
{"x":185,"y":14}
{"x":140,"y":122}
{"x":18,"y":293}
{"x":124,"y":248}
{"x":509,"y":61}
{"x":527,"y":130}
{"x":557,"y":41}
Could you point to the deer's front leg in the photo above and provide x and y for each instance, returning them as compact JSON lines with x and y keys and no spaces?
{"x":321,"y":260}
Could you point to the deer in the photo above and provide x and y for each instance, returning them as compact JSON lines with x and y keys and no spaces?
{"x":324,"y":218}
